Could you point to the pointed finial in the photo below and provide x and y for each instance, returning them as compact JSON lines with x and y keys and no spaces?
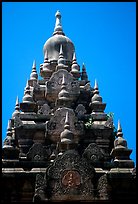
{"x":63,"y":80}
{"x":27,"y":86}
{"x":84,"y":75}
{"x":17,"y":101}
{"x":67,"y":136}
{"x":96,"y":85}
{"x":67,"y":126}
{"x":61,"y":50}
{"x":34,"y":64}
{"x":83,"y":67}
{"x":119,"y":126}
{"x":34,"y":75}
{"x":61,"y":60}
{"x":17,"y":108}
{"x":58,"y":25}
{"x":74,"y":57}
{"x":9,"y":125}
{"x":119,"y":130}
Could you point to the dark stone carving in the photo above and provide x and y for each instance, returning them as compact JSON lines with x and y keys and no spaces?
{"x":70,"y":177}
{"x":80,"y":110}
{"x":40,"y":188}
{"x":17,"y":122}
{"x":56,"y":124}
{"x":45,"y":109}
{"x":53,"y":86}
{"x":37,"y":153}
{"x":104,"y":189}
{"x":93,"y":153}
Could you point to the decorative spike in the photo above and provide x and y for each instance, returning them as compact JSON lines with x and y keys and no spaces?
{"x":96,"y":85}
{"x":34,"y":74}
{"x":27,"y":85}
{"x":119,"y":130}
{"x":17,"y":108}
{"x":74,"y":57}
{"x":83,"y":67}
{"x":34,"y":64}
{"x":61,"y":50}
{"x":67,"y":125}
{"x":63,"y":80}
{"x":9,"y":125}
{"x":119,"y":126}
{"x":61,"y":60}
{"x":84,"y":75}
{"x":17,"y":101}
{"x":17,"y":104}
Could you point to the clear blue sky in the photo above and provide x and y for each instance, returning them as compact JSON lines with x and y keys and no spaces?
{"x":104,"y":35}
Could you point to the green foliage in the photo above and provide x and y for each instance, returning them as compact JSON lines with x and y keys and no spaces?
{"x":88,"y":124}
{"x":110,"y":115}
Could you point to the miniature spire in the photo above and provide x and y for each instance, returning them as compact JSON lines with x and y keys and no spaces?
{"x":96,"y":89}
{"x":46,"y":64}
{"x":9,"y":128}
{"x":8,"y":140}
{"x":119,"y":130}
{"x":67,"y":136}
{"x":63,"y":94}
{"x":84,"y":75}
{"x":120,"y":152}
{"x":58,"y":26}
{"x":96,"y":97}
{"x":75,"y":67}
{"x":27,"y":97}
{"x":17,"y":108}
{"x":61,"y":59}
{"x":34,"y":74}
{"x":120,"y":141}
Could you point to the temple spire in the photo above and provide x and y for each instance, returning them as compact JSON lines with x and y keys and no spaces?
{"x":84,"y":75}
{"x":119,"y":130}
{"x":17,"y":108}
{"x":34,"y":75}
{"x":58,"y":26}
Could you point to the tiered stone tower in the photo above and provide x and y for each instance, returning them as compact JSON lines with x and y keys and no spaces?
{"x":60,"y":144}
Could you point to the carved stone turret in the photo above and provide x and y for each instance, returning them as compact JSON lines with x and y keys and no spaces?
{"x":75,"y":69}
{"x":120,"y":152}
{"x":28,"y":104}
{"x":9,"y":150}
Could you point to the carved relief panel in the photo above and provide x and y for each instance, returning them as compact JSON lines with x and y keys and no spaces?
{"x":53,"y":86}
{"x":56,"y":124}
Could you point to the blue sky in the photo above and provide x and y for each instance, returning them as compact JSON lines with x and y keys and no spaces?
{"x":104,"y":35}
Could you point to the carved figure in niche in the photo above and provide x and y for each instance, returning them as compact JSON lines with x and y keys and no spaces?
{"x":71,"y":179}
